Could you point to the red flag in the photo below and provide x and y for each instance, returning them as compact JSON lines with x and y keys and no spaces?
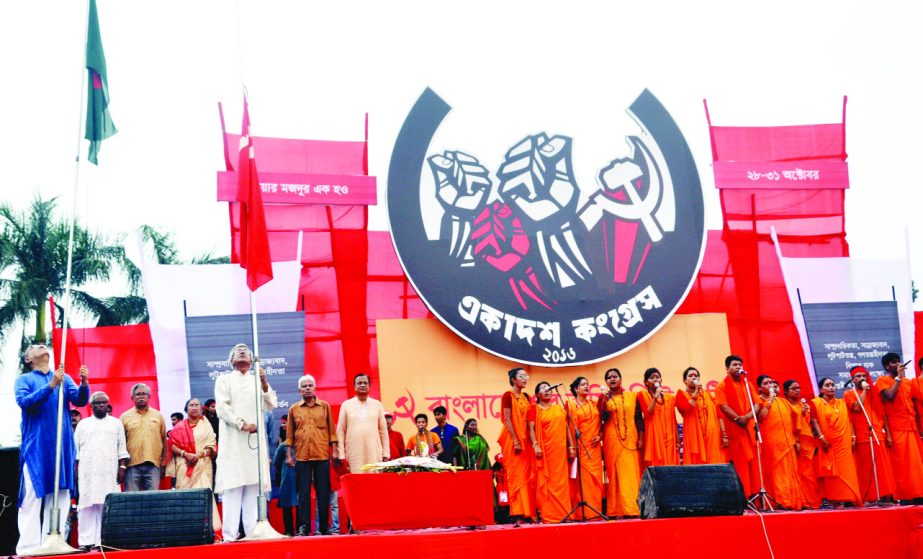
{"x":254,"y":240}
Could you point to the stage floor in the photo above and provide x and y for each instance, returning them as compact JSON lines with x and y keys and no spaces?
{"x":887,"y":533}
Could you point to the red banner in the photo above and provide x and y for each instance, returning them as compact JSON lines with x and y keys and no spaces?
{"x":300,"y":188}
{"x":782,"y":175}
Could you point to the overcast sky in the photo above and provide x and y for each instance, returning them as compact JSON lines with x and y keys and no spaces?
{"x":313,"y":69}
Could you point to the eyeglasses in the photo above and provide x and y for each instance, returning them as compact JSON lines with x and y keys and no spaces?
{"x":522,"y":376}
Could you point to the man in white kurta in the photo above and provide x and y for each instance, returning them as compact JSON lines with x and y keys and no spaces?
{"x":362,"y":433}
{"x":102,"y":457}
{"x":237,"y":475}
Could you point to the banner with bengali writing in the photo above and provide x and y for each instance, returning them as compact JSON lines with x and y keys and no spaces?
{"x":422,"y":364}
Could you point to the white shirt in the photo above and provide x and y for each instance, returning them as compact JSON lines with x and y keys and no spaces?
{"x":100,"y":446}
{"x":235,"y":404}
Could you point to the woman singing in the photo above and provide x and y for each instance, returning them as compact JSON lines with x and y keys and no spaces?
{"x":836,"y":469}
{"x":553,"y":445}
{"x":661,"y":445}
{"x":585,"y":417}
{"x":703,"y":429}
{"x":621,"y":446}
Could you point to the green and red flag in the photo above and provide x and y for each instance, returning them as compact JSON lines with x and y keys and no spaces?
{"x":99,"y":122}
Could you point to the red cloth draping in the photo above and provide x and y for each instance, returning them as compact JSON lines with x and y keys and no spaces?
{"x":740,"y":274}
{"x":418,"y":500}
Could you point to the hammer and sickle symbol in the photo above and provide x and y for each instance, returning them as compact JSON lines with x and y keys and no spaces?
{"x":657,"y":210}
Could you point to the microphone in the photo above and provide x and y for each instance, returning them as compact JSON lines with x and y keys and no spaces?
{"x":657,"y":386}
{"x":556,"y":386}
{"x":743,"y":372}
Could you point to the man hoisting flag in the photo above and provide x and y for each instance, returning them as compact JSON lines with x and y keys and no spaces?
{"x":99,"y":122}
{"x":239,"y":400}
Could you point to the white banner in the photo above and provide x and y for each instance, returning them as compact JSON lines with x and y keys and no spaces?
{"x":203,"y":290}
{"x":848,"y":280}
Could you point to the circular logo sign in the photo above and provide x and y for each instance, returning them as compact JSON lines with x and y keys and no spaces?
{"x":531,"y":266}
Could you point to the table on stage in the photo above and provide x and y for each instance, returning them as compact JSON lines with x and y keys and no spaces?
{"x":418,"y":500}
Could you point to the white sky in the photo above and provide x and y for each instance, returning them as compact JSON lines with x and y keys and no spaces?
{"x":508,"y":68}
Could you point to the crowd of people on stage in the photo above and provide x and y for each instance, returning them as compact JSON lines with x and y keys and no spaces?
{"x":102,"y":454}
{"x":581,"y":460}
{"x":826,"y":452}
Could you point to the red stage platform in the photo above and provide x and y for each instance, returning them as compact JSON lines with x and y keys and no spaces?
{"x":891,"y":533}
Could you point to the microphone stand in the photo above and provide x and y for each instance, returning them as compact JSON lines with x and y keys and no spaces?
{"x":764,"y":498}
{"x":578,"y":443}
{"x":873,"y":440}
{"x":468,"y":451}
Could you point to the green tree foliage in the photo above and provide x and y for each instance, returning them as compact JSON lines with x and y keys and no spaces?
{"x":33,"y":266}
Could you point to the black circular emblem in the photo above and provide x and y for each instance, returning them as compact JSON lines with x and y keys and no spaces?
{"x":529,"y":265}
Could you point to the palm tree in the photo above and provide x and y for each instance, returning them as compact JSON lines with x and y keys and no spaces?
{"x":33,"y":265}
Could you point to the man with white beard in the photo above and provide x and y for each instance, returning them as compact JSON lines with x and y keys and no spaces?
{"x":237,"y":475}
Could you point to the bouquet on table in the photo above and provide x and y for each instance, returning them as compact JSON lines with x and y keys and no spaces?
{"x":407,"y":464}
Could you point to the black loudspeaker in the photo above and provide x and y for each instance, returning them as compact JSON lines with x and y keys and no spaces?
{"x":678,"y":491}
{"x":9,"y":500}
{"x":145,"y":519}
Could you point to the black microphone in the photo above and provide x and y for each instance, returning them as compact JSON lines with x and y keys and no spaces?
{"x":555,"y":386}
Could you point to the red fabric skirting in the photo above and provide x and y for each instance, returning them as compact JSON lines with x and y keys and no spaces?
{"x":418,"y":500}
{"x":893,"y":533}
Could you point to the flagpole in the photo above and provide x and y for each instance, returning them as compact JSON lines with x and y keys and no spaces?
{"x":263,"y":529}
{"x":54,"y":543}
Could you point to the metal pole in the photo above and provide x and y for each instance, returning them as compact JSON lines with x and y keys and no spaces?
{"x":263,"y":529}
{"x":54,"y":543}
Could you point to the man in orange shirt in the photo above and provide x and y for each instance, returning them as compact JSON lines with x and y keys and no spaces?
{"x":916,"y":392}
{"x":864,"y":403}
{"x":395,"y":438}
{"x":310,"y":439}
{"x":902,"y":430}
{"x":734,"y":403}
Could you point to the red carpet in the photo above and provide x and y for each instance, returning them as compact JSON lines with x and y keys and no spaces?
{"x":891,"y":533}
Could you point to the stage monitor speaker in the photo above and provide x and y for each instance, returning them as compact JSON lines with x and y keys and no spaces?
{"x":9,"y":499}
{"x":678,"y":491}
{"x":146,"y":519}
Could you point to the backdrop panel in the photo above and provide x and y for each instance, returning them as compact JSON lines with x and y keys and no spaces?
{"x":844,"y":335}
{"x":423,"y":365}
{"x":210,"y":338}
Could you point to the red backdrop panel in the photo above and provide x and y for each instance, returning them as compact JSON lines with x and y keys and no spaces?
{"x":117,"y":357}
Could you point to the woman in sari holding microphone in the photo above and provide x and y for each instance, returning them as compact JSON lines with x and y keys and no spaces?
{"x":585,"y":416}
{"x":661,"y":444}
{"x":553,"y":444}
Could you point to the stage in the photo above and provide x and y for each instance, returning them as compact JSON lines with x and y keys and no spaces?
{"x":892,"y":533}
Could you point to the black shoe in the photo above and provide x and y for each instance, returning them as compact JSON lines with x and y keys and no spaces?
{"x":302,"y":531}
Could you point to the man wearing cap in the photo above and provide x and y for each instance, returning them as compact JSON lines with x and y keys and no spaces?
{"x":865,"y":405}
{"x":395,"y":438}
